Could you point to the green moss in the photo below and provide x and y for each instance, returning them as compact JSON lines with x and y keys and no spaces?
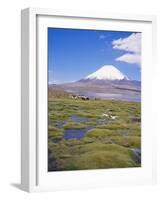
{"x":72,"y":142}
{"x":87,"y":140}
{"x":90,"y":114}
{"x":121,"y":125}
{"x":99,"y":133}
{"x":129,"y":141}
{"x":107,"y":145}
{"x":55,"y":133}
{"x":101,"y":156}
{"x":92,"y":122}
{"x":100,"y":160}
{"x":90,"y":154}
{"x":74,"y":125}
{"x":98,"y":146}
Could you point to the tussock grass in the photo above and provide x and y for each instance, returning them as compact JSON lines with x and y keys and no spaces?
{"x":104,"y":146}
{"x":99,"y":133}
{"x":74,"y":125}
{"x":55,"y":133}
{"x":129,"y":141}
{"x":92,"y":156}
{"x":100,"y":160}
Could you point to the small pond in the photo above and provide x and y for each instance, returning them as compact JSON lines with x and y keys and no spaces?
{"x":76,"y":133}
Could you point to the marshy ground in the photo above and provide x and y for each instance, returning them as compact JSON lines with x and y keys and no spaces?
{"x":93,"y":134}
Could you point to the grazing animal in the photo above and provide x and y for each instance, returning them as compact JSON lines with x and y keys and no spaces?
{"x":113,"y":117}
{"x":74,"y":97}
{"x":80,"y":97}
{"x":105,"y":115}
{"x":84,"y":98}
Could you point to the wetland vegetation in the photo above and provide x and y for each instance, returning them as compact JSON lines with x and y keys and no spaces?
{"x":93,"y":134}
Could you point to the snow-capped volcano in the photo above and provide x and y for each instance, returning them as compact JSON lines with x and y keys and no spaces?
{"x":107,"y":72}
{"x":105,"y":83}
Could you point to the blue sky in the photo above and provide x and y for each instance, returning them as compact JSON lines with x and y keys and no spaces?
{"x":74,"y":54}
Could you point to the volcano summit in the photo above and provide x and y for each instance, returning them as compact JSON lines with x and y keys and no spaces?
{"x":107,"y":72}
{"x":106,"y":83}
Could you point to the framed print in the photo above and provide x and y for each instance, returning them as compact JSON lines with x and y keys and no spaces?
{"x":87,"y":118}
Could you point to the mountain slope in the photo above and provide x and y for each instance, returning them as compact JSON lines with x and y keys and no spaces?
{"x":106,"y":83}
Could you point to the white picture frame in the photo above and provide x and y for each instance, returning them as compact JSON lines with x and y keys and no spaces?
{"x":34,"y":176}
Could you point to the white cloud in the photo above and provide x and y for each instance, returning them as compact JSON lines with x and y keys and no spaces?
{"x":130,"y":58}
{"x":132,"y":45}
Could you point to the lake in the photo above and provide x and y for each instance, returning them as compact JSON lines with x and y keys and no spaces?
{"x":135,"y":97}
